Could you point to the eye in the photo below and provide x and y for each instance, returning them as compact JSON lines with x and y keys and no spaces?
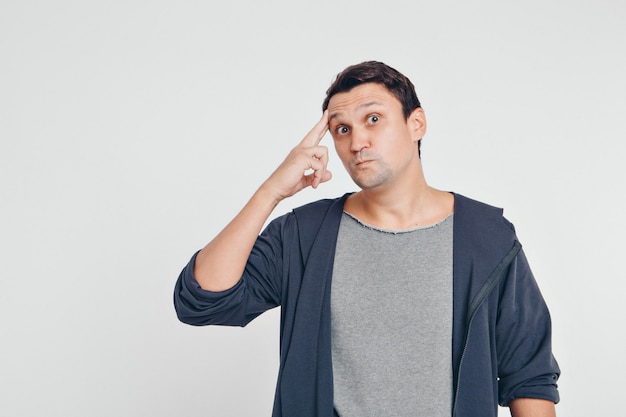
{"x":374,"y":118}
{"x":342,"y":130}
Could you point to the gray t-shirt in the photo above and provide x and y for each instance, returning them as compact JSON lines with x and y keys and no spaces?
{"x":391,"y":312}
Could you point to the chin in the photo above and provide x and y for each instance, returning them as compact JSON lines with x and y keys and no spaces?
{"x":368,"y":184}
{"x":371,"y":181}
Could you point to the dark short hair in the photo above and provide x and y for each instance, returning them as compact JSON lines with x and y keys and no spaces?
{"x":375,"y":72}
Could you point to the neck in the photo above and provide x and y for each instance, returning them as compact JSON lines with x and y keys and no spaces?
{"x":398,"y":208}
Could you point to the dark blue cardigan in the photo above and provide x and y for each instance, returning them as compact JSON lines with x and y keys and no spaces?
{"x":501,"y":345}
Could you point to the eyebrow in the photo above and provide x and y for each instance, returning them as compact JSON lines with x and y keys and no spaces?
{"x":362,"y":106}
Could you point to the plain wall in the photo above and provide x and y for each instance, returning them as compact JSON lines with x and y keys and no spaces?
{"x":132,"y":131}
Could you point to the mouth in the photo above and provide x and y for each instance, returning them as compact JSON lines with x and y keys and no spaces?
{"x":362,"y":163}
{"x":362,"y":159}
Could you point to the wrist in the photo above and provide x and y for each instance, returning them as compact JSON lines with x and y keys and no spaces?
{"x":267,"y":196}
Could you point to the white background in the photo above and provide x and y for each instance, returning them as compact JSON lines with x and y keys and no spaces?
{"x":132,"y":131}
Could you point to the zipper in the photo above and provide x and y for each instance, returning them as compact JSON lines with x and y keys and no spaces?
{"x":486,"y":289}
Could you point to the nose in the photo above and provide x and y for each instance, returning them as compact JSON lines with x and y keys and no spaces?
{"x":360,"y":139}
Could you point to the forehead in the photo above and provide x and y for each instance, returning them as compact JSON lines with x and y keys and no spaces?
{"x":361,"y":97}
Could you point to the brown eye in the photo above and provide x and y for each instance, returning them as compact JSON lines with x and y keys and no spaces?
{"x":373,"y":119}
{"x":342,"y":130}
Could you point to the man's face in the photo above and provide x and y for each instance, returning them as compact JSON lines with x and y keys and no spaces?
{"x":372,"y":137}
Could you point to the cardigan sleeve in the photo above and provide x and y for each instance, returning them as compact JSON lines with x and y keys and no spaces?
{"x":258,"y":289}
{"x":526,"y":366}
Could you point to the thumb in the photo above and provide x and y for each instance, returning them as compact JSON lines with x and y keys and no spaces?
{"x":325,"y":177}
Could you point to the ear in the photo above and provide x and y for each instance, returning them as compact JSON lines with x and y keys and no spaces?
{"x":417,"y":124}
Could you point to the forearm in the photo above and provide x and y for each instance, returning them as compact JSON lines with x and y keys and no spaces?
{"x":532,"y":407}
{"x":220,"y":264}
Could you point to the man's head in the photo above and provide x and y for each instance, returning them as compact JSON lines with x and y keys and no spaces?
{"x":375,"y":72}
{"x":377,"y":125}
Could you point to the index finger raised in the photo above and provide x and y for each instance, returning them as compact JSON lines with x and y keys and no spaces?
{"x":316,"y":134}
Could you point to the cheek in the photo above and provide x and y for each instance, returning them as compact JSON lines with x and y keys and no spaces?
{"x":342,"y":148}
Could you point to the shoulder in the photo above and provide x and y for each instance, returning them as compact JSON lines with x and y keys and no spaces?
{"x":320,"y":206}
{"x":319,"y":219}
{"x":312,"y":215}
{"x":481,"y":228}
{"x":474,"y":211}
{"x":308,"y":217}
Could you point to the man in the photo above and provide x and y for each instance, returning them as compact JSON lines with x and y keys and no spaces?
{"x":397,"y":300}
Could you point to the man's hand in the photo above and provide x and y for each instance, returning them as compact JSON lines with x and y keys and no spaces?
{"x":304,"y":166}
{"x":222,"y":261}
